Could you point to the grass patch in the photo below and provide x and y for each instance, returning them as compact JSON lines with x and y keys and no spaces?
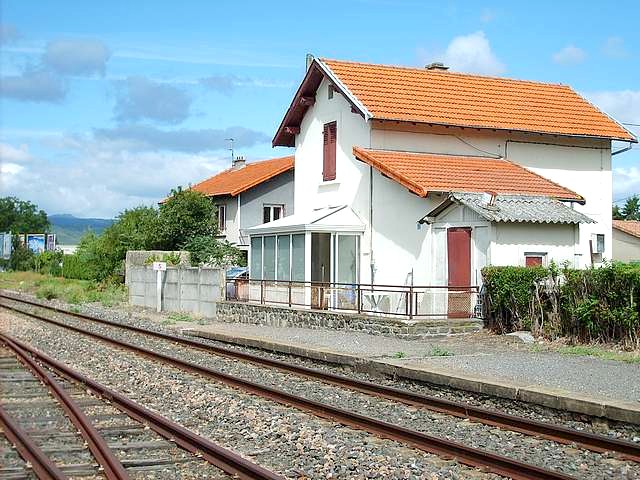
{"x":399,"y":354}
{"x":598,"y":352}
{"x":175,"y":317}
{"x":68,"y":290}
{"x":440,"y":352}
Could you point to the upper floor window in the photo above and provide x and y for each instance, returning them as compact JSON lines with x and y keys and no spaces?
{"x":272,"y":212}
{"x":329,"y":152}
{"x":221,"y":212}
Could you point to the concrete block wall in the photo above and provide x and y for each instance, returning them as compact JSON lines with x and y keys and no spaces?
{"x":138,"y":258}
{"x":184,"y":289}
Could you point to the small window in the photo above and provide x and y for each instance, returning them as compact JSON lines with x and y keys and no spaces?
{"x":535,"y":259}
{"x":330,"y":91}
{"x":272,"y":212}
{"x":222,"y":217}
{"x":330,"y":132}
{"x":597,"y":243}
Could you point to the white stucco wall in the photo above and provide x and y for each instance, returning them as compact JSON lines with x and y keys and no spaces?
{"x":583,"y":166}
{"x":398,"y":246}
{"x":512,"y":240}
{"x":626,"y":248}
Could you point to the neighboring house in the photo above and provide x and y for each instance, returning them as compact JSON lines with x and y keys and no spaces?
{"x":626,"y":240}
{"x":408,"y":176}
{"x":249,"y":194}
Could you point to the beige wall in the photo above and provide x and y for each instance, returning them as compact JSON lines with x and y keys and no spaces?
{"x":626,"y":248}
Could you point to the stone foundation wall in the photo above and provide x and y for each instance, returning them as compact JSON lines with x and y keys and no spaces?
{"x":278,"y":316}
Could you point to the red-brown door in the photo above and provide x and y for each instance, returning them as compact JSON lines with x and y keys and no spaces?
{"x":459,"y":262}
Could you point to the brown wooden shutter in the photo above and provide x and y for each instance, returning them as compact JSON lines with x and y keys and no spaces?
{"x":329,"y":152}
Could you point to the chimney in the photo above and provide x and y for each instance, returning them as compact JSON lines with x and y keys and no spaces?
{"x":309,"y":60}
{"x":438,"y":66}
{"x":238,"y":162}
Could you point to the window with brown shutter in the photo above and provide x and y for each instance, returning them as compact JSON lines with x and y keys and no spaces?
{"x":329,"y":152}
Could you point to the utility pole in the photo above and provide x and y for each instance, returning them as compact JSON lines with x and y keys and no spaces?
{"x":230,"y":140}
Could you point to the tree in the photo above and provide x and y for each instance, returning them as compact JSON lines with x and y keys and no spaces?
{"x":19,"y":216}
{"x":630,"y":210}
{"x":186,"y":214}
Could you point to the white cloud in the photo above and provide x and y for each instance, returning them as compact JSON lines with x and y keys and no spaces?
{"x":79,"y":56}
{"x":9,"y":153}
{"x":96,"y":179}
{"x":569,"y":55}
{"x":623,"y":105}
{"x":614,"y":48}
{"x":626,"y":182}
{"x":468,"y":53}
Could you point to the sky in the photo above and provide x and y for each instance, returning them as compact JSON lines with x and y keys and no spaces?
{"x":108,"y":105}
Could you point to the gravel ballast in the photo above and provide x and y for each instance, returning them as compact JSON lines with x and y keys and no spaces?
{"x":280,"y":438}
{"x":566,"y":459}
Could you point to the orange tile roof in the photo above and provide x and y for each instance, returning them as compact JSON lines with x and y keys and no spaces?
{"x":232,"y":182}
{"x":422,"y":173}
{"x":632,"y":227}
{"x":446,"y":98}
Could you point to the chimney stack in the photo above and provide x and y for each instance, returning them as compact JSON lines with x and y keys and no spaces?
{"x":238,"y":162}
{"x":439,"y":66}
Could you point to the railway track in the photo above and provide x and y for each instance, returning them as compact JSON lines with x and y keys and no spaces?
{"x":43,"y":416}
{"x":470,"y":456}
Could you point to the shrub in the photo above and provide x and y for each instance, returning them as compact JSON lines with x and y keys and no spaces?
{"x":596,"y":304}
{"x":73,"y":266}
{"x":206,"y":250}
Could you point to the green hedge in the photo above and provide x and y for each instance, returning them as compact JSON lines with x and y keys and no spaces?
{"x":75,"y":267}
{"x":596,"y":304}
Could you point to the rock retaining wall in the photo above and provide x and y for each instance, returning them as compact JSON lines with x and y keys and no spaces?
{"x":278,"y":316}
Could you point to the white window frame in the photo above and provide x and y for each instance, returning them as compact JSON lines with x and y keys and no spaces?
{"x":272,"y":207}
{"x":222,"y":226}
{"x":542,"y":255}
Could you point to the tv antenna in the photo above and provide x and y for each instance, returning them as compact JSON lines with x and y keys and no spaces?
{"x":230,"y":140}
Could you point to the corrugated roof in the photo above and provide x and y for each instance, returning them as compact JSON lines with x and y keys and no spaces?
{"x":422,"y":173}
{"x":632,"y":227}
{"x":516,"y":208}
{"x":447,"y":98}
{"x":235,"y":181}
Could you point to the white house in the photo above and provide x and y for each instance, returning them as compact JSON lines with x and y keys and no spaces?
{"x":409,"y":176}
{"x":626,"y":240}
{"x":248,"y":194}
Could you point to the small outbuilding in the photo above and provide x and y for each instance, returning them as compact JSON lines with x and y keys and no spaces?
{"x":626,"y":240}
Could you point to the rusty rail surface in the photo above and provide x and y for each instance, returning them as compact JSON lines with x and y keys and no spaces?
{"x":471,"y":456}
{"x":557,"y":433}
{"x":222,"y":458}
{"x":42,"y":466}
{"x":97,"y":445}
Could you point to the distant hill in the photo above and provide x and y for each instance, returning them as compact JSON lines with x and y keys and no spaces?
{"x":70,"y":229}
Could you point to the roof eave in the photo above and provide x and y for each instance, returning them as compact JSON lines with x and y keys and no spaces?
{"x":402,"y":180}
{"x":632,"y":138}
{"x":284,"y":139}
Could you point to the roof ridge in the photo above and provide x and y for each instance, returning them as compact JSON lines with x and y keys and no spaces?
{"x":448,"y":72}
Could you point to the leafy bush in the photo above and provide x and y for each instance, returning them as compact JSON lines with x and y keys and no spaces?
{"x":73,"y":266}
{"x":206,"y":250}
{"x":596,"y":304}
{"x":49,"y":263}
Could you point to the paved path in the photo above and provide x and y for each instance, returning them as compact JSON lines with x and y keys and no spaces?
{"x":483,"y":356}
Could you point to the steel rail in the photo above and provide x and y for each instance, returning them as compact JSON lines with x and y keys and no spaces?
{"x":220,"y":457}
{"x":471,"y":456}
{"x":113,"y":469}
{"x":42,"y":466}
{"x":557,"y":433}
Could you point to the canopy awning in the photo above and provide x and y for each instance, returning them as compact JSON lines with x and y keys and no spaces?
{"x":327,"y":219}
{"x":512,"y":208}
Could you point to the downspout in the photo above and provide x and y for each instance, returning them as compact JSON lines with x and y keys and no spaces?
{"x":240,"y":239}
{"x":372,"y":265}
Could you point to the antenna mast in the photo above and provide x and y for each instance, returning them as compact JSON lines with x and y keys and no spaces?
{"x":230,"y":140}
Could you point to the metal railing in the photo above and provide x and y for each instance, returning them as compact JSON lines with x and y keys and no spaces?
{"x":389,"y":300}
